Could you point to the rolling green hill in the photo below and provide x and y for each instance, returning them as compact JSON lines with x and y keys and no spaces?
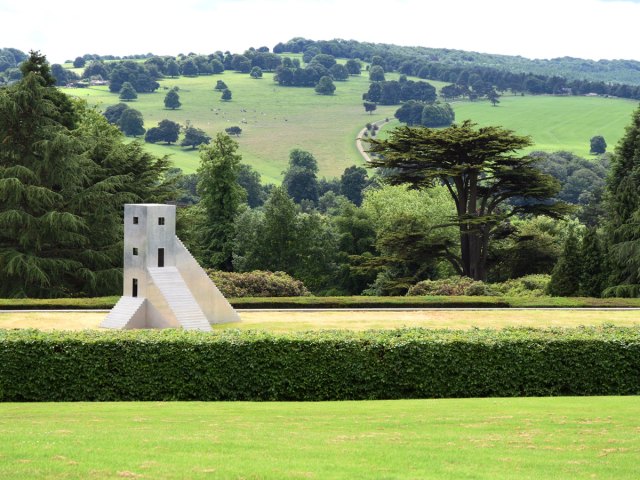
{"x":277,"y":119}
{"x":554,"y":123}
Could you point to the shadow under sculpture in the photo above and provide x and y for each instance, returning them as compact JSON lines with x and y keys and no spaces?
{"x":164,"y":286}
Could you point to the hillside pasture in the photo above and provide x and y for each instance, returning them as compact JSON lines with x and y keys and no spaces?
{"x":274,"y":119}
{"x":554,"y":123}
{"x":524,"y":438}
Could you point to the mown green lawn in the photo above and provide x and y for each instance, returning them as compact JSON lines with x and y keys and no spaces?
{"x":517,"y":438}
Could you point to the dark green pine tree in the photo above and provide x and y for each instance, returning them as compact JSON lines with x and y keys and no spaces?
{"x":121,"y":173}
{"x":593,"y":275}
{"x":64,"y":176}
{"x":565,"y":278}
{"x":623,"y":226}
{"x":220,"y":196}
{"x":41,"y":166}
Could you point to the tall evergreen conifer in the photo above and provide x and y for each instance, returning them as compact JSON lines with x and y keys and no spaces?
{"x":623,"y":228}
{"x":592,"y":279}
{"x":565,"y":278}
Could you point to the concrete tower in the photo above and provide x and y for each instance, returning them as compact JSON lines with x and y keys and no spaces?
{"x":164,"y":286}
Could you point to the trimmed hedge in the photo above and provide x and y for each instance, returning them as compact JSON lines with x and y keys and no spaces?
{"x":234,"y":365}
{"x":257,"y":284}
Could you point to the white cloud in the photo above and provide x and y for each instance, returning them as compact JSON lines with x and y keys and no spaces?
{"x":544,"y":29}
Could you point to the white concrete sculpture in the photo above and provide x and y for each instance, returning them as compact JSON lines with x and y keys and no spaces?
{"x":164,"y":286}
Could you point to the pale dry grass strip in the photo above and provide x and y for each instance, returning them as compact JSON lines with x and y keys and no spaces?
{"x":285,"y":321}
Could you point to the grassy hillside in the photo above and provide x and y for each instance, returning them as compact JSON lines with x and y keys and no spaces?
{"x":554,"y":123}
{"x":277,"y":119}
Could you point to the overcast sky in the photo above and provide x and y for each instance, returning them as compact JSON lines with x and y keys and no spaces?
{"x":64,"y":29}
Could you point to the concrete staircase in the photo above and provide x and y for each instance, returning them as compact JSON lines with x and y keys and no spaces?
{"x":177,"y":295}
{"x":126,"y":310}
{"x":213,"y":304}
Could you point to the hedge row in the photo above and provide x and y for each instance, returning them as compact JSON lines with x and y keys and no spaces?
{"x":350,"y":302}
{"x":234,"y":365}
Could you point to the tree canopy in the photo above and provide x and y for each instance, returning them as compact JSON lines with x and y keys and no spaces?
{"x":480,"y":170}
{"x":172,"y":99}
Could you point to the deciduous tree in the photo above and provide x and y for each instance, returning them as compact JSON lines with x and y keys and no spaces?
{"x":127,"y":92}
{"x":220,"y":197}
{"x":172,"y":99}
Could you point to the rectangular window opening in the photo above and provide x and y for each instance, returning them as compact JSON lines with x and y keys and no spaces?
{"x":161,"y":257}
{"x":161,"y":221}
{"x":135,"y":220}
{"x":134,"y":288}
{"x":135,"y":251}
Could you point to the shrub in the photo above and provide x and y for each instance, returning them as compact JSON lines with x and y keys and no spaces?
{"x":257,"y":284}
{"x":253,"y":365}
{"x":527,"y":286}
{"x":452,"y":286}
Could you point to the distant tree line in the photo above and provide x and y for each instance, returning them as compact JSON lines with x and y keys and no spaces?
{"x":471,"y":70}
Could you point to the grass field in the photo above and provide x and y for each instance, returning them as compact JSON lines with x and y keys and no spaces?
{"x":523,"y":438}
{"x":277,"y":119}
{"x":554,"y":123}
{"x":356,"y":320}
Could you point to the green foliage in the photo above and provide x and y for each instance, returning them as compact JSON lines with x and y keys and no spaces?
{"x":172,"y":99}
{"x":113,"y":112}
{"x":131,"y":122}
{"x":254,"y":365}
{"x":65,"y":177}
{"x":452,"y":286}
{"x":300,"y":179}
{"x":480,"y":171}
{"x":623,"y":226}
{"x":527,"y":286}
{"x":226,"y":95}
{"x":194,"y":137}
{"x":527,"y":246}
{"x":411,"y":236}
{"x":593,"y":275}
{"x":250,"y":180}
{"x":376,"y":74}
{"x":235,"y":130}
{"x":370,"y":107}
{"x":598,"y":145}
{"x":37,"y":64}
{"x":353,"y":66}
{"x":127,"y":92}
{"x":166,"y":131}
{"x":257,"y":284}
{"x":426,"y":114}
{"x":565,"y":278}
{"x":437,"y":115}
{"x":279,"y":238}
{"x":353,"y":182}
{"x":134,"y":73}
{"x":220,"y":85}
{"x":220,"y":197}
{"x":325,"y":86}
{"x":256,"y":72}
